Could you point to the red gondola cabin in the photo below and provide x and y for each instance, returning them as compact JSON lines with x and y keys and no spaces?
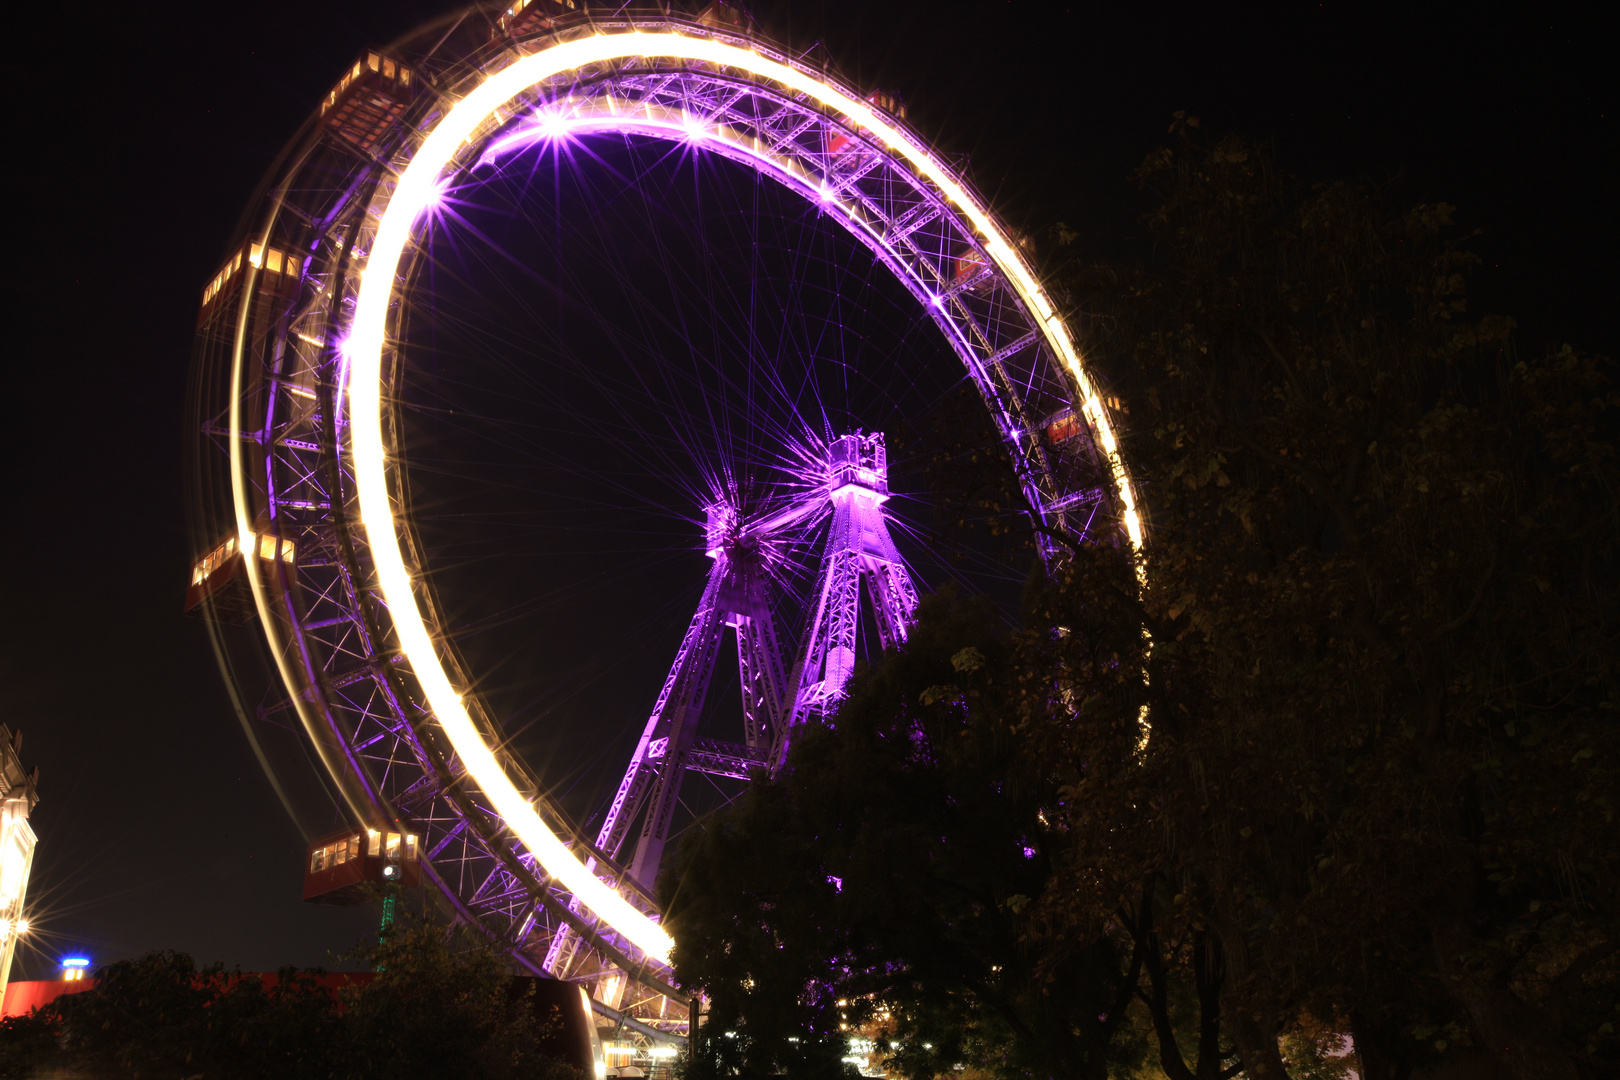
{"x":219,"y":588}
{"x":527,"y":17}
{"x":887,"y":100}
{"x":369,"y":100}
{"x":344,"y":868}
{"x":279,"y":276}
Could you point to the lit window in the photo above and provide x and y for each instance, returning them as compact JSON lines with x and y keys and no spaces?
{"x":354,"y":847}
{"x":287,"y":551}
{"x":256,"y":254}
{"x":410,"y":847}
{"x":293,"y":265}
{"x":371,"y":61}
{"x":272,"y":261}
{"x":393,"y":845}
{"x":388,"y":68}
{"x":317,"y":860}
{"x":376,"y":842}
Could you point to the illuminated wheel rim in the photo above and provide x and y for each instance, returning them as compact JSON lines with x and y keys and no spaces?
{"x":313,"y":450}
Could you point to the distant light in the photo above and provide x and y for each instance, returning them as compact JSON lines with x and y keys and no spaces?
{"x":75,"y":961}
{"x":662,"y":1051}
{"x":390,"y":871}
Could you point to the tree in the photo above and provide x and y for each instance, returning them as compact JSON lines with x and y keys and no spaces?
{"x":879,"y":881}
{"x":1377,"y":693}
{"x":442,"y":1007}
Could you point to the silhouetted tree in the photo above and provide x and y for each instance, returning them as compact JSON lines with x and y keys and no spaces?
{"x":443,"y":1006}
{"x":1363,"y":759}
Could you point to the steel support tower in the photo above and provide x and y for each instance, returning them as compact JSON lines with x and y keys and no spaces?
{"x":859,"y":548}
{"x":737,"y":596}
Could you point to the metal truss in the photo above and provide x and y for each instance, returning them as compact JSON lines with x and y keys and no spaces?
{"x":274,"y":355}
{"x":858,"y":548}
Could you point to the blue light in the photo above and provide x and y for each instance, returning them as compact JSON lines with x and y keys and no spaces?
{"x":75,"y":961}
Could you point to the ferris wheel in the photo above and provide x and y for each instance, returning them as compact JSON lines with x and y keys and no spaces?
{"x":568,"y":354}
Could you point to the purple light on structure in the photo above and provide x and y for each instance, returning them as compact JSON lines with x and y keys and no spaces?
{"x":551,"y":125}
{"x":837,"y":883}
{"x":858,"y":547}
{"x":547,"y":127}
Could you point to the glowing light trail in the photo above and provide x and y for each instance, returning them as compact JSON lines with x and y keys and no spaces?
{"x":417,"y":190}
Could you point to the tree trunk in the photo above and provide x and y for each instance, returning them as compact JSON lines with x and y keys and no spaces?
{"x":1250,"y":1016}
{"x":1248,"y":1009}
{"x":1209,"y":972}
{"x":1376,"y":1051}
{"x":1149,"y":947}
{"x":1256,"y":1041}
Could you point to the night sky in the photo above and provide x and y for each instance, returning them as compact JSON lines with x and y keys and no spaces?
{"x":140,"y":131}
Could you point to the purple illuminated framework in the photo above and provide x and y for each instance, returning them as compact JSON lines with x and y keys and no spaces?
{"x":859,"y":548}
{"x":276,"y":354}
{"x":853,"y":486}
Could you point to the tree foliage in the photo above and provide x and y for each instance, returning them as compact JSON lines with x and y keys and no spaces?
{"x":880,"y":884}
{"x":440,"y":1005}
{"x":1381,"y":597}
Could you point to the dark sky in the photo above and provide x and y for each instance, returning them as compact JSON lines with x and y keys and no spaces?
{"x":139,"y":131}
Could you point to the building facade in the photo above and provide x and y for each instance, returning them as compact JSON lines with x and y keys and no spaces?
{"x":19,"y":791}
